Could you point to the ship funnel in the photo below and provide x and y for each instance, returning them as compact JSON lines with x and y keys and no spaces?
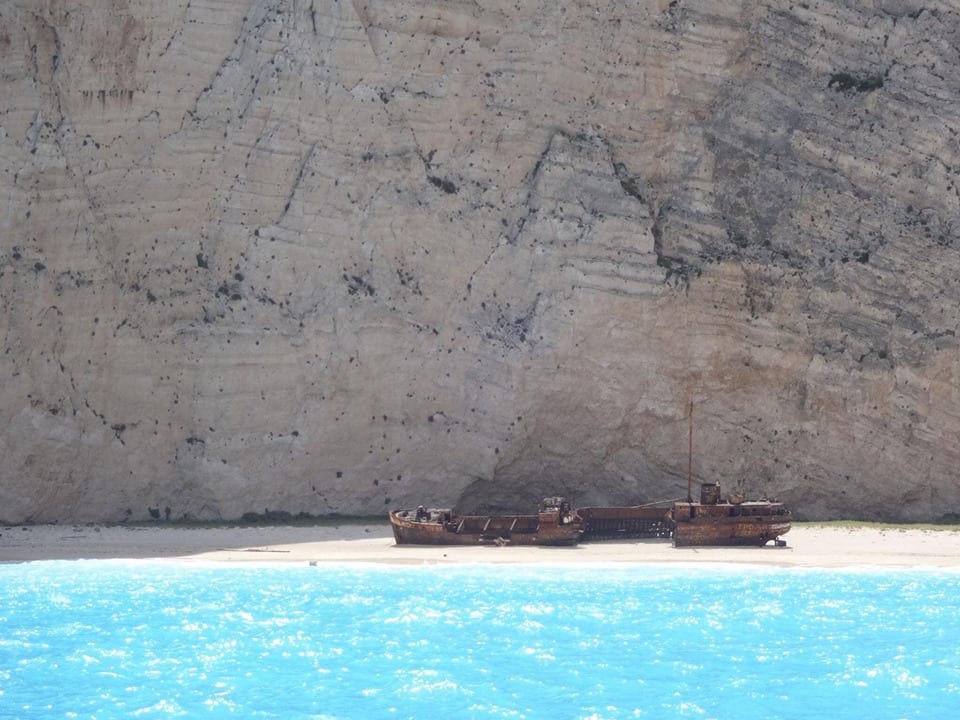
{"x":709,"y":493}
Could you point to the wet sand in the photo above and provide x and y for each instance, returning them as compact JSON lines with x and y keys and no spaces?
{"x":807,"y":546}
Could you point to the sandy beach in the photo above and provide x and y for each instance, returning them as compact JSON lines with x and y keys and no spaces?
{"x":807,"y":546}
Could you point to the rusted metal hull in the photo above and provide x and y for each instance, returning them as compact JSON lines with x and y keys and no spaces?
{"x":618,"y":523}
{"x":446,"y":528}
{"x":755,"y":523}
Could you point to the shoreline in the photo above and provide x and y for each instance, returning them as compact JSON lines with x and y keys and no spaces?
{"x":807,"y":546}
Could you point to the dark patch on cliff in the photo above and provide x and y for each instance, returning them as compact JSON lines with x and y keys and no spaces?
{"x":444,"y":184}
{"x":844,"y":82}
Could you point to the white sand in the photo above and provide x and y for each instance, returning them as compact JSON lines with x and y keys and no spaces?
{"x":807,"y":546}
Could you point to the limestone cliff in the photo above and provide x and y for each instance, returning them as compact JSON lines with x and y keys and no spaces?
{"x":333,"y":256}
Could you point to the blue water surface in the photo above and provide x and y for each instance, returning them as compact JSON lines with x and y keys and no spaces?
{"x":111,"y":639}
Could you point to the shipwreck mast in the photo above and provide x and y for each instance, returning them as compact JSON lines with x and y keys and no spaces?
{"x":690,"y":453}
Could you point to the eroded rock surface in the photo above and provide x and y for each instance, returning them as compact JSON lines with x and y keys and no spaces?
{"x":323,"y":256}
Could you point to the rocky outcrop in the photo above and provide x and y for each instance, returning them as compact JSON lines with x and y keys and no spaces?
{"x":329,"y":256}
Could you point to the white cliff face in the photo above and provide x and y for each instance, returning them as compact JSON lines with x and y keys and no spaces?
{"x":322,"y":256}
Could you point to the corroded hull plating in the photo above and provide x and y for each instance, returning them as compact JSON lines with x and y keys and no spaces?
{"x":443,"y":527}
{"x":753,"y":523}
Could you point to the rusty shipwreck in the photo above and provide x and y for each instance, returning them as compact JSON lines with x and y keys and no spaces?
{"x":556,"y":523}
{"x":712,"y":521}
{"x":730,"y":521}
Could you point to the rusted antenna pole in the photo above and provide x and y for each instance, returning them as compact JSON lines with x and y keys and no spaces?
{"x":690,"y":454}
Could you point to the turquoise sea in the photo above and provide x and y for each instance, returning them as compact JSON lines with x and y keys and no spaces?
{"x":117,"y":639}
